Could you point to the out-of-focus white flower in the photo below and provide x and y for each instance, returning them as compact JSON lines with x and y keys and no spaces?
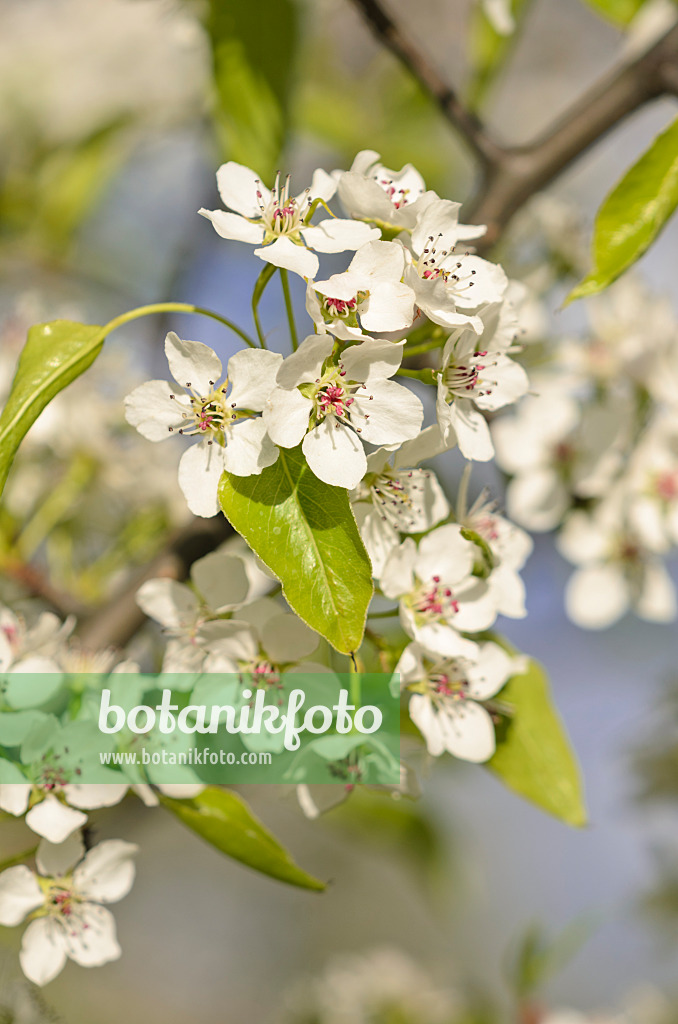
{"x":392,"y":199}
{"x":448,"y":697}
{"x":616,"y":348}
{"x":652,"y":481}
{"x":439,"y":597}
{"x":190,"y":615}
{"x":377,"y":985}
{"x":332,"y":403}
{"x":475,"y":375}
{"x":500,"y":15}
{"x":555,"y":450}
{"x":395,"y":497}
{"x":368,"y":297}
{"x":222,"y":415}
{"x":65,"y":900}
{"x":450,"y":287}
{"x":278,"y":222}
{"x":617,"y":571}
{"x":260,"y":641}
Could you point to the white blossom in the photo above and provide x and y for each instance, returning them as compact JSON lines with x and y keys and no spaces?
{"x":65,"y":900}
{"x":392,"y":199}
{"x":448,"y":697}
{"x":396,"y":497}
{"x":221,"y":414}
{"x":439,"y":597}
{"x":476,"y":375}
{"x":368,"y":297}
{"x":450,"y":287}
{"x":277,"y":222}
{"x":331,"y":403}
{"x":616,"y":572}
{"x":555,"y":450}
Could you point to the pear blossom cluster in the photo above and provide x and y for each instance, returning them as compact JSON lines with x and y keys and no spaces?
{"x":411,"y":354}
{"x":592,"y":453}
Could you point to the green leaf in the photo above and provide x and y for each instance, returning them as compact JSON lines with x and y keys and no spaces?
{"x":53,"y":356}
{"x":534,"y":757}
{"x":539,"y":957}
{"x":619,"y":12}
{"x":253,"y":56}
{"x":633,"y":214}
{"x":223,"y":819}
{"x":305,"y":532}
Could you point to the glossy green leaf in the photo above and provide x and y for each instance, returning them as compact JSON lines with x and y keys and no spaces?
{"x":534,"y":756}
{"x":53,"y":356}
{"x":223,"y":819}
{"x":619,"y":12}
{"x":305,"y":532}
{"x":253,"y":53}
{"x":633,"y":213}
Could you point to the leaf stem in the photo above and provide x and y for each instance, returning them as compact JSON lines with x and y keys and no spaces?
{"x":261,"y":282}
{"x":290,"y":311}
{"x":390,"y":614}
{"x":175,"y":307}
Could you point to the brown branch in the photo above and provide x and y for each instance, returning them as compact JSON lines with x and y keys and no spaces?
{"x":523,"y":171}
{"x":418,"y":64}
{"x":510,"y":175}
{"x":116,"y":622}
{"x":34,"y":581}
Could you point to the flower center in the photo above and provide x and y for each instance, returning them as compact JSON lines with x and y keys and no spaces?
{"x":281,"y":214}
{"x":342,"y":308}
{"x":209,"y":415}
{"x":262,"y":672}
{"x":433,"y":600}
{"x":666,"y":485}
{"x":62,"y":900}
{"x":395,"y":495}
{"x":448,"y":684}
{"x":467,"y":380}
{"x":398,"y":196}
{"x":51,"y":776}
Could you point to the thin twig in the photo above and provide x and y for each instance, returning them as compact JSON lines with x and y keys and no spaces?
{"x":417,"y":62}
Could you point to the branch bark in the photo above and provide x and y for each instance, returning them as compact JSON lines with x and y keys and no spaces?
{"x":509,"y":175}
{"x":116,"y":622}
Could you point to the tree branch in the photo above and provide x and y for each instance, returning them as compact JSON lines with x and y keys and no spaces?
{"x":523,"y":171}
{"x":116,"y":622}
{"x":421,"y":68}
{"x":510,"y":175}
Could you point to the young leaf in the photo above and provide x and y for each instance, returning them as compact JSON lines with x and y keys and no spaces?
{"x":633,"y":213}
{"x":619,"y":12}
{"x":253,"y":53}
{"x":53,"y":356}
{"x":534,"y":757}
{"x":305,"y":532}
{"x":223,"y":819}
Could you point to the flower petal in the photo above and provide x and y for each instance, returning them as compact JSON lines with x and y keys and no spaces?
{"x":335,"y":454}
{"x":152,"y":411}
{"x":222,"y":580}
{"x":305,"y":365}
{"x":169,"y":602}
{"x":107,"y":872}
{"x":53,"y":820}
{"x":233,"y":226}
{"x":249,"y":449}
{"x":468,"y":732}
{"x":286,"y":254}
{"x":192,"y":364}
{"x":95,"y":942}
{"x":200,"y":470}
{"x":597,"y":596}
{"x":395,"y":413}
{"x":56,"y":859}
{"x":252,"y":375}
{"x":238,"y":186}
{"x":335,"y":235}
{"x":20,"y":894}
{"x":43,"y":950}
{"x":286,"y":416}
